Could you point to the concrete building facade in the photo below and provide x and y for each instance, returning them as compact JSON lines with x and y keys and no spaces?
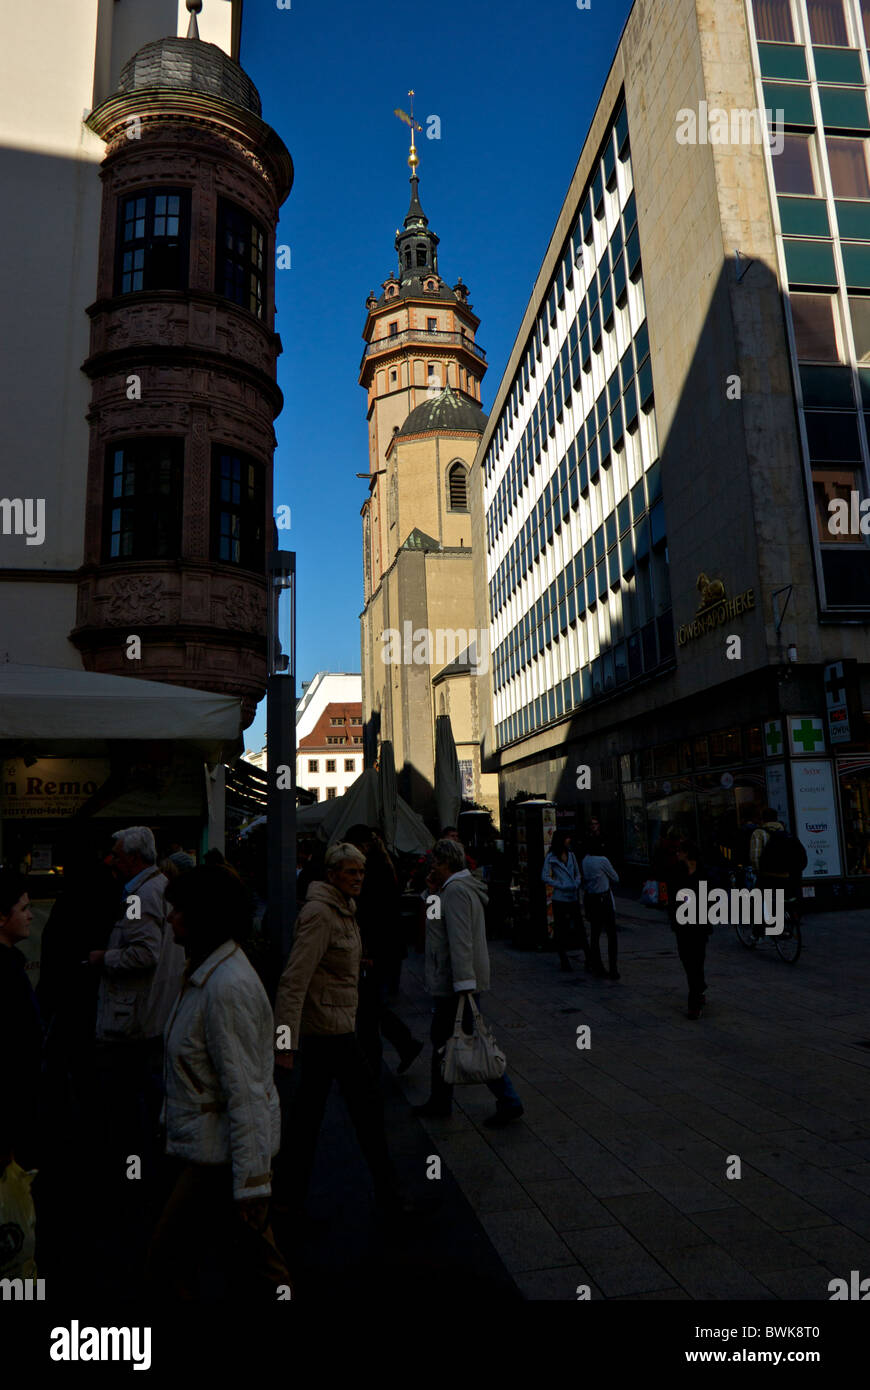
{"x":684,"y":400}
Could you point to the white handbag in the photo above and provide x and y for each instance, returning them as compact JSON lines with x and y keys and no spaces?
{"x":475,"y":1057}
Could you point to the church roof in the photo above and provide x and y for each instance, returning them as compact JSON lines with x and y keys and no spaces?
{"x":189,"y":65}
{"x":419,"y":540}
{"x":449,"y":410}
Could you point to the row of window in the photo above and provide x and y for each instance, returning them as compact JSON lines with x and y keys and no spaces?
{"x":338,"y":723}
{"x":616,"y":560}
{"x":629,"y":388}
{"x":642,"y":653}
{"x":830,"y":22}
{"x":142,"y":513}
{"x":620,"y":258}
{"x":314,"y":764}
{"x":153,"y":248}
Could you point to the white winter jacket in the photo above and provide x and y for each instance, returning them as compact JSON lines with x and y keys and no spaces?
{"x":221,"y":1104}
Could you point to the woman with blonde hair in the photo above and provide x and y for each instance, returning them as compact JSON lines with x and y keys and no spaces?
{"x":315,"y":1016}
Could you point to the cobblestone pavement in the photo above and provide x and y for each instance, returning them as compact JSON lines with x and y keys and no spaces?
{"x":616,"y":1176}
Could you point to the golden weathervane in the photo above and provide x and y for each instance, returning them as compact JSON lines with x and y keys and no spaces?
{"x":413,"y":159}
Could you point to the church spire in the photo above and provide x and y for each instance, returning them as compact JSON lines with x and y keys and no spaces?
{"x":194,"y":6}
{"x":417,"y":245}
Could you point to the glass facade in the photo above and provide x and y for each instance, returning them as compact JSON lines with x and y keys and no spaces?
{"x":813,"y":65}
{"x":575,"y":523}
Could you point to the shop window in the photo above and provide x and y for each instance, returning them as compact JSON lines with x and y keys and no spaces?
{"x":855,"y":801}
{"x":773,"y":20}
{"x":142,"y":500}
{"x":754,"y":744}
{"x":701,"y":752}
{"x":829,"y":485}
{"x":828,"y":22}
{"x":725,"y":747}
{"x":238,"y":510}
{"x":153,"y":241}
{"x":241,"y":269}
{"x":815,"y":327}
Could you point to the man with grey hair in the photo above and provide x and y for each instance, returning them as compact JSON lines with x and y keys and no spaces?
{"x":457,"y":962}
{"x":141,"y":972}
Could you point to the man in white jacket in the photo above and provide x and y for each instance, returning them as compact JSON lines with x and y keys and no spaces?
{"x":457,"y":963}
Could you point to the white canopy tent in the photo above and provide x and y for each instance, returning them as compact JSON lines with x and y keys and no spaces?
{"x":50,"y":708}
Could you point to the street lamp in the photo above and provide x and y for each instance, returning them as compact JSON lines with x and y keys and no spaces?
{"x":281,"y":748}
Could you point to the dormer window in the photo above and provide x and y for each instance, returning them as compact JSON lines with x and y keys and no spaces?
{"x":430,"y":285}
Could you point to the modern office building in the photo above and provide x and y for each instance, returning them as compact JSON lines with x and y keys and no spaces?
{"x":671,"y":605}
{"x":421,"y":369}
{"x":142,"y":191}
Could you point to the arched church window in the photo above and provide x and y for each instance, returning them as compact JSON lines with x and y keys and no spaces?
{"x":421,"y":254}
{"x":367,"y":556}
{"x":408,"y":258}
{"x":393,"y":501}
{"x":457,"y":484}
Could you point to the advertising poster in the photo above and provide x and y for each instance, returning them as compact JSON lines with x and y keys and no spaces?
{"x":777,"y":792}
{"x":816,"y":817}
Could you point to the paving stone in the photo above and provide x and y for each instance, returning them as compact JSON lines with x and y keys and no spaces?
{"x":835,"y":1247}
{"x":617,"y":1261}
{"x":808,"y":1283}
{"x":655,"y":1223}
{"x":526,"y":1241}
{"x":568,"y":1205}
{"x":686,"y":1189}
{"x":707,"y":1272}
{"x":557,"y":1285}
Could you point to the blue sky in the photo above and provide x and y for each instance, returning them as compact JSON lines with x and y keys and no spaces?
{"x":515,"y":85}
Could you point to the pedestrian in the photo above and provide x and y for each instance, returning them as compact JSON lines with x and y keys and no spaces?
{"x":221,"y":1111}
{"x":20,"y":1032}
{"x":457,"y":962}
{"x":562,"y":872}
{"x":778,"y":858}
{"x":379,"y":918}
{"x":317,"y":1004}
{"x":598,"y":876}
{"x":449,"y":832}
{"x":140,"y":975}
{"x":691,"y":939}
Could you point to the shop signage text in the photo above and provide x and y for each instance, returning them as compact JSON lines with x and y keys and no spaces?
{"x":716,"y":615}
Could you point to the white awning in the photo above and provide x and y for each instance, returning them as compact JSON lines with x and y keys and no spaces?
{"x":50,"y":708}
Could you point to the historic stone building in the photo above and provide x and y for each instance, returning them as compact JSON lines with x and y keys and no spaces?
{"x":183,"y":371}
{"x":422,"y":370}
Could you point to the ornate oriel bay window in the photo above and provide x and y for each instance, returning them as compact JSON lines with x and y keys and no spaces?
{"x":142,"y":502}
{"x":238,"y":512}
{"x":240,"y":257}
{"x":153,"y":241}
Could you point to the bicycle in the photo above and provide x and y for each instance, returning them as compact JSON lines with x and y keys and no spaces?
{"x":788,"y":943}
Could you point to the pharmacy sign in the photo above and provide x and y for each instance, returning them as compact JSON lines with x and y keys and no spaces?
{"x":806,"y":735}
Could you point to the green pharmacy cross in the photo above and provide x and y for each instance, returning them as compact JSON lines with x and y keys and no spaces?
{"x":808,"y":736}
{"x":773,"y":739}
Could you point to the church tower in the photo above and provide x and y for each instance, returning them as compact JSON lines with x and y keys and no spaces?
{"x":421,"y":370}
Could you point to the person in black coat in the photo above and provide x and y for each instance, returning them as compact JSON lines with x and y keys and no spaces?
{"x":379,"y":917}
{"x":20,"y":1030}
{"x":692,"y":939}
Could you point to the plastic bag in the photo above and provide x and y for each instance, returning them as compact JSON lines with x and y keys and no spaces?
{"x":17,"y":1223}
{"x":650,"y":893}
